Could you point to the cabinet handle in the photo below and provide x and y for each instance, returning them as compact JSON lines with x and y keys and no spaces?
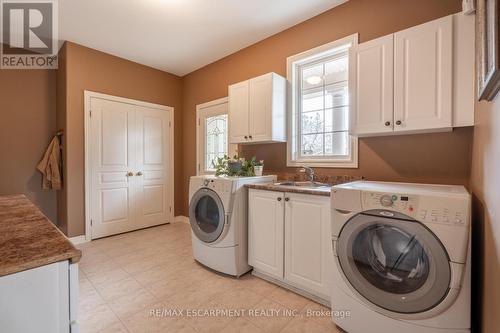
{"x":130,"y":174}
{"x":398,"y":122}
{"x":387,"y":123}
{"x":250,"y":137}
{"x":246,"y":137}
{"x":279,"y":199}
{"x":287,"y":199}
{"x":139,"y":173}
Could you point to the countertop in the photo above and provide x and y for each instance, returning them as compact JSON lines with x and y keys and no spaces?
{"x":323,"y":191}
{"x":28,"y":239}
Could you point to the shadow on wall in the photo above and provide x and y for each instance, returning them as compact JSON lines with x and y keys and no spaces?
{"x":477,"y":269}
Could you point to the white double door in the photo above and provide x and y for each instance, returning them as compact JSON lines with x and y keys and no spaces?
{"x":130,"y":161}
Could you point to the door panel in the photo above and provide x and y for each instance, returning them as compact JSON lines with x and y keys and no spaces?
{"x":238,"y":112}
{"x":423,"y":76}
{"x":308,"y":253}
{"x":260,"y":99}
{"x":112,"y":196}
{"x":265,"y":234}
{"x":371,"y":86}
{"x":152,"y":166}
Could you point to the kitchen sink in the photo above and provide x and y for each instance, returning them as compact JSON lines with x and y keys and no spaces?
{"x":301,"y":184}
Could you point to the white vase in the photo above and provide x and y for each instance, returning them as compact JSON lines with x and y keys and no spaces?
{"x":258,"y":170}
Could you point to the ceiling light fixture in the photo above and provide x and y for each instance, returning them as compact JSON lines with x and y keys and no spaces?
{"x":314,"y":79}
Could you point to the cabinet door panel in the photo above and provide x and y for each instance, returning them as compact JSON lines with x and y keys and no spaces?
{"x":423,"y":76}
{"x":261,"y":90}
{"x":308,"y":252}
{"x":238,"y":112}
{"x":265,"y":232}
{"x":371,"y":86}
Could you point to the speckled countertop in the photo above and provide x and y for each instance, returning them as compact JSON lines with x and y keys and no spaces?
{"x":28,"y":239}
{"x":324,"y":191}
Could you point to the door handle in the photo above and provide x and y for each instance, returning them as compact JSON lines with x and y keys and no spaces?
{"x":139,"y":173}
{"x":246,"y":137}
{"x":250,"y":137}
{"x":130,"y":174}
{"x":287,"y":199}
{"x":387,"y":123}
{"x":398,"y":122}
{"x":279,"y":198}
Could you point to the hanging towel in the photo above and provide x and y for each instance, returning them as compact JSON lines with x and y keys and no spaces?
{"x":49,"y":166}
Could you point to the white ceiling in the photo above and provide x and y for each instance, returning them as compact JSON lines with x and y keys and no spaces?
{"x":179,"y":36}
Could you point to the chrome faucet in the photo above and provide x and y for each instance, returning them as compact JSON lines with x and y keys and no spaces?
{"x":309,"y":172}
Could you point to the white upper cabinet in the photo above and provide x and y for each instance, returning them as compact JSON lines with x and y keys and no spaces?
{"x":372,"y":79}
{"x":257,"y":109}
{"x":238,"y":117}
{"x":423,"y":65}
{"x":417,"y":80}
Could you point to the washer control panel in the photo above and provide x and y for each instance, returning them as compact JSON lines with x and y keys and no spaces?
{"x":429,"y":209}
{"x":405,"y":204}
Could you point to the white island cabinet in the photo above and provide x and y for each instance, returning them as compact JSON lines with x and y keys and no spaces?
{"x":38,"y":272}
{"x":289,"y":241}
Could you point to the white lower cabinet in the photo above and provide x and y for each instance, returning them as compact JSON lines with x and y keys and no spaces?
{"x":290,"y":240}
{"x":266,"y":232}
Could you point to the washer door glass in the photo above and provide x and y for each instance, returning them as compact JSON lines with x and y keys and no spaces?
{"x":397,"y":264}
{"x":206,"y":215}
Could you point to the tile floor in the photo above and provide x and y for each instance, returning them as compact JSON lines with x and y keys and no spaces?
{"x":146,"y":281}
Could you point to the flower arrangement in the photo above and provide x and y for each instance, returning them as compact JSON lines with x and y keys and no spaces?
{"x":236,"y":166}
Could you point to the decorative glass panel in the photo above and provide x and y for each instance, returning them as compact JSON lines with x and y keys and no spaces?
{"x":215,"y":140}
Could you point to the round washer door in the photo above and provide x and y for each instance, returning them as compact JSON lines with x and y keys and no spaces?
{"x":206,"y":215}
{"x":395,"y":263}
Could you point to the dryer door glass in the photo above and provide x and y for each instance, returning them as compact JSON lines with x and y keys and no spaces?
{"x":395,"y":263}
{"x":206,"y":215}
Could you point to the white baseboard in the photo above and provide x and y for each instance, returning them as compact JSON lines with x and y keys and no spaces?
{"x":181,"y":219}
{"x":78,"y":240}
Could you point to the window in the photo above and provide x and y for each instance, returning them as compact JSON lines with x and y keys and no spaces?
{"x":211,"y":135}
{"x":319,"y":114}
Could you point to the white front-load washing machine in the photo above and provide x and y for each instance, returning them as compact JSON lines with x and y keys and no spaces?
{"x":218,"y":218}
{"x":402,"y":257}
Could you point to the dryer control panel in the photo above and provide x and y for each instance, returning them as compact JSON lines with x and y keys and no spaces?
{"x":427,"y":209}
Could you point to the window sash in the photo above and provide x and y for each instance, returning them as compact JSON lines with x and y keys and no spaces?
{"x":299,"y":81}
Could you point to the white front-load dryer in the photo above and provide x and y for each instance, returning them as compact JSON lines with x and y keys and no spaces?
{"x":218,"y":218}
{"x":402,"y":257}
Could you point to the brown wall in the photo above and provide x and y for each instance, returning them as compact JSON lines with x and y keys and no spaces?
{"x":436,"y":158}
{"x":28,"y":121}
{"x":485,"y":186}
{"x":88,"y":69}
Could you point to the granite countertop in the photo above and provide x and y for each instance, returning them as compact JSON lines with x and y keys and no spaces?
{"x":28,"y":239}
{"x":324,"y":191}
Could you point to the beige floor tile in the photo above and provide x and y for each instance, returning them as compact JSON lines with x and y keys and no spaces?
{"x":132,"y":303}
{"x":208,"y":324}
{"x":270,"y":316}
{"x":97,"y":318}
{"x":310,"y":325}
{"x":288,"y":298}
{"x":144,"y":322}
{"x":112,"y":290}
{"x":114,"y":328}
{"x":104,"y":278}
{"x":241,"y":325}
{"x":90,"y":268}
{"x":240,"y":298}
{"x":166,"y":288}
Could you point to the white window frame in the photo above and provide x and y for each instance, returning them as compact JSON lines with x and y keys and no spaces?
{"x":293,"y":64}
{"x":203,"y":111}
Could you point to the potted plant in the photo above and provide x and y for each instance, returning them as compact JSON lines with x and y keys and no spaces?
{"x":259,"y":167}
{"x":236,"y":166}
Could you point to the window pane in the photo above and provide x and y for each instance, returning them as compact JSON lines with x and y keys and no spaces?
{"x":312,"y":77}
{"x":337,"y":143}
{"x":336,"y":119}
{"x":336,"y":70}
{"x":215,"y":140}
{"x":312,"y":145}
{"x":336,"y":95}
{"x":312,"y":100}
{"x":312,"y":122}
